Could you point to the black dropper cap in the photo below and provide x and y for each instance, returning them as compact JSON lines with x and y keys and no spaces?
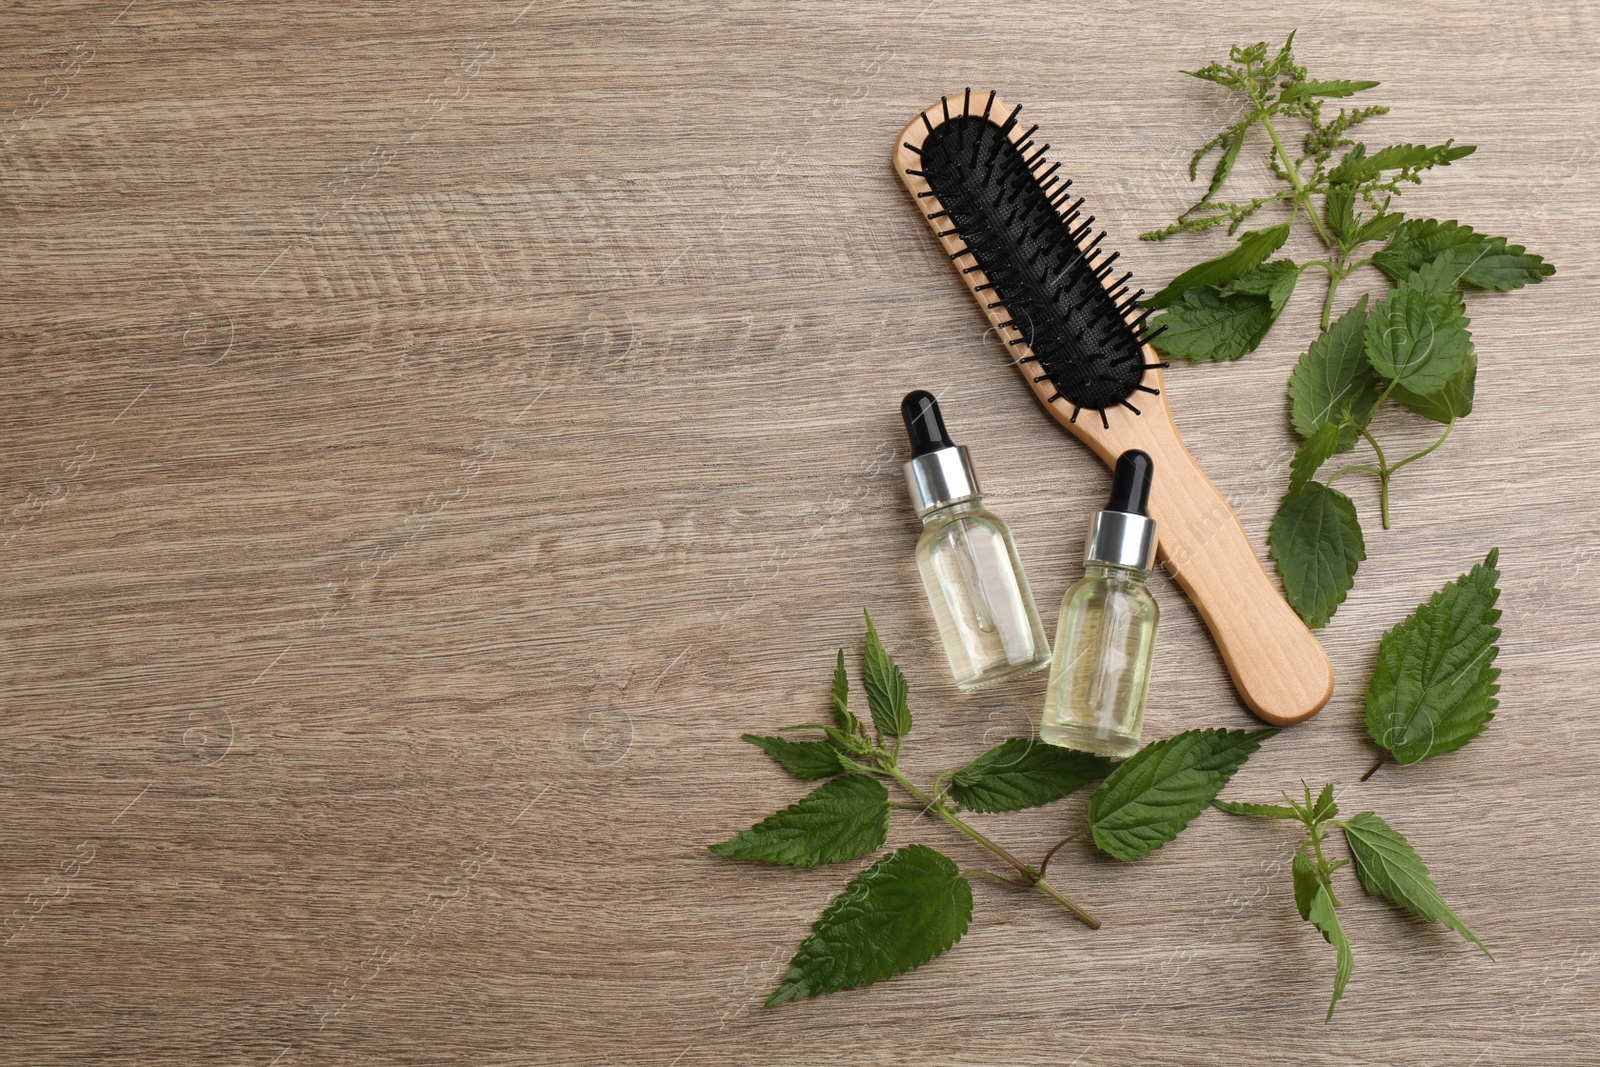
{"x":939,"y":471}
{"x":924,"y":423}
{"x":1130,"y":484}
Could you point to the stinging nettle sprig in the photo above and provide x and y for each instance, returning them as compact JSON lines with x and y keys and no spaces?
{"x":1386,"y":867}
{"x":914,"y":903}
{"x":1410,"y":345}
{"x":1432,"y":692}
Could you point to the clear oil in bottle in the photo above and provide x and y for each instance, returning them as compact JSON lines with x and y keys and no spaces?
{"x":970,"y":569}
{"x":1100,"y":672}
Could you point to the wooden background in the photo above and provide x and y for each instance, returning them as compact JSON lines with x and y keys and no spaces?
{"x":432,"y":433}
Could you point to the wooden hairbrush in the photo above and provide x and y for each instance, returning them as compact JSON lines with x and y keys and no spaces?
{"x":1002,"y":214}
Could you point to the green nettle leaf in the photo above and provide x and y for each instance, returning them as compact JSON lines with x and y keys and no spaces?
{"x":1316,"y":904}
{"x":1437,"y":277}
{"x":1419,"y":335}
{"x":1230,"y":141}
{"x":1316,"y":541}
{"x":901,"y":912}
{"x":1259,"y":811}
{"x":1434,"y":687}
{"x":1452,"y":402}
{"x":1313,"y":453}
{"x":1332,"y":89}
{"x":1253,"y":249}
{"x":1275,"y":281}
{"x":1023,"y":773}
{"x":1150,"y":798}
{"x":808,"y":760}
{"x":1476,"y":259}
{"x":1498,"y":266}
{"x":1378,"y":227}
{"x":1389,"y":867}
{"x":1358,"y":167}
{"x":840,"y":694}
{"x":1414,"y":156}
{"x":886,"y":687}
{"x":1332,"y":376}
{"x":1208,"y":325}
{"x":1324,"y":807}
{"x":839,"y":820}
{"x":1339,"y":211}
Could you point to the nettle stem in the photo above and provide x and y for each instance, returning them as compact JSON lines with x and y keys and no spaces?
{"x":1032,"y":878}
{"x":1338,"y":270}
{"x":1386,"y":470}
{"x":1418,"y":455}
{"x":1327,"y":301}
{"x":1302,"y":195}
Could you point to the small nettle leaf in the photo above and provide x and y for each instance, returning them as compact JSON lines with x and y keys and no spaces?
{"x":886,"y":687}
{"x":1417,"y":334}
{"x":1275,"y":281}
{"x":1452,"y":402}
{"x":1253,"y":249}
{"x":1339,"y":211}
{"x":1150,"y":798}
{"x":1357,"y":167}
{"x":1259,"y":811}
{"x":1475,"y":259}
{"x":807,"y":760}
{"x":1313,"y":453}
{"x":901,"y":912}
{"x":1329,"y":89}
{"x":1333,"y":376}
{"x":1434,"y":686}
{"x":1209,"y":325}
{"x":1413,"y":156}
{"x":1231,"y":143}
{"x":1378,"y":227}
{"x":1316,"y":541}
{"x":1315,"y":902}
{"x":1388,"y":867}
{"x":839,"y":820}
{"x":1284,"y":59}
{"x":1324,"y":808}
{"x":1023,"y":773}
{"x":840,"y":695}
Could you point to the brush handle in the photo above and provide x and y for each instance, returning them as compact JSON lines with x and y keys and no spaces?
{"x":1278,"y":667}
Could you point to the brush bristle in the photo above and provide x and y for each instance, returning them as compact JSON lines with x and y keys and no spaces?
{"x":1008,"y":206}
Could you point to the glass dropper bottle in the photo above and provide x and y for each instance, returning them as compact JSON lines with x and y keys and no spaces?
{"x":969,"y":564}
{"x":1107,"y":630}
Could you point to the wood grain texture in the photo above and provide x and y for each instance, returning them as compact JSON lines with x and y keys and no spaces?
{"x":434,"y":433}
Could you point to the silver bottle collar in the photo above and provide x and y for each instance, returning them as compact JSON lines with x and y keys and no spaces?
{"x":940,"y":478}
{"x":1121,"y":539}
